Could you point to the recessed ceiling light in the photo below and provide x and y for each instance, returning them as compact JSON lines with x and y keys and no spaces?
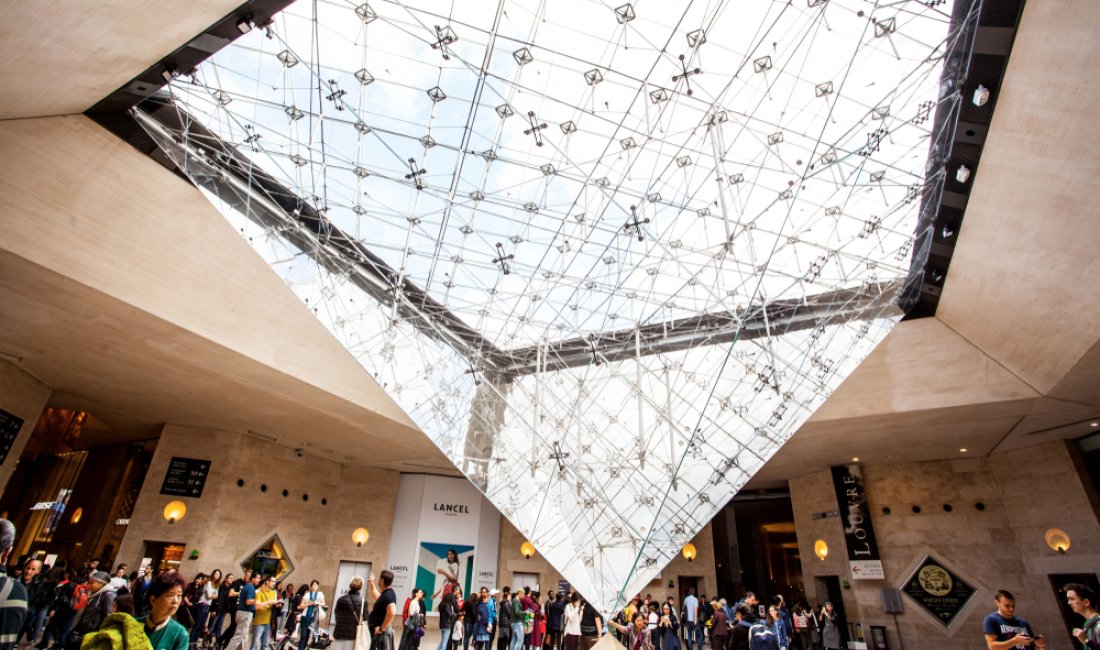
{"x":855,"y":459}
{"x":1094,"y":424}
{"x":963,"y":450}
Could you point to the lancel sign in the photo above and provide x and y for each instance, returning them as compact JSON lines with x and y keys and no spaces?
{"x":451,"y":509}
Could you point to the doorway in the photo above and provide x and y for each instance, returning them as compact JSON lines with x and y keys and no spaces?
{"x":684,"y":584}
{"x":163,"y":556}
{"x":521,"y":580}
{"x":348,"y":570}
{"x":828,"y":589}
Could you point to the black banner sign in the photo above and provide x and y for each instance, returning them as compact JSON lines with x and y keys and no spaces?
{"x":185,"y":477}
{"x":863,"y":557}
{"x":942,"y":593}
{"x":9,"y":430}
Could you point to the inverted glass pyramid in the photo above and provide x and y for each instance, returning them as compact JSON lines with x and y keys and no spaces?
{"x":608,"y":257}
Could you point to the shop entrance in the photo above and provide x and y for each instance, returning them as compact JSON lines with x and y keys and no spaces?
{"x":162,"y":556}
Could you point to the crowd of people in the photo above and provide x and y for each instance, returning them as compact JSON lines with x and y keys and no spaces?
{"x":85,"y":608}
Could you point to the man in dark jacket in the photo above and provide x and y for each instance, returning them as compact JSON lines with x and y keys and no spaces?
{"x":38,"y":600}
{"x":739,"y":635}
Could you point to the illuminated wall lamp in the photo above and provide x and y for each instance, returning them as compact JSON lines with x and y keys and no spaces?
{"x":174,"y":511}
{"x":77,"y":514}
{"x":1057,"y":539}
{"x":689,"y":552}
{"x":527,"y":549}
{"x":821,"y":549}
{"x":360,"y":536}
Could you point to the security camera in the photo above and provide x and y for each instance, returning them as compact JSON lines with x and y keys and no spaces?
{"x":299,"y":453}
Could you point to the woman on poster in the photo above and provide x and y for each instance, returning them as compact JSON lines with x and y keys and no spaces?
{"x":447,"y":567}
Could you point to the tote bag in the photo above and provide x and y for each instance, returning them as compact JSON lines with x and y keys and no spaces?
{"x":362,"y":631}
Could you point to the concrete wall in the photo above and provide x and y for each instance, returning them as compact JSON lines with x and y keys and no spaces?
{"x":24,"y":397}
{"x":1001,"y":547}
{"x":228,"y":522}
{"x":512,"y":562}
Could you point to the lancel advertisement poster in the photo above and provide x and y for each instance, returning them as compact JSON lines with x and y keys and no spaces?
{"x":445,"y":534}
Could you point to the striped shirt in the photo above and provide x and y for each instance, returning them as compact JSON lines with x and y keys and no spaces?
{"x":13,"y":609}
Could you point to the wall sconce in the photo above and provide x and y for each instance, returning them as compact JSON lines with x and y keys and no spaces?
{"x":175,"y":511}
{"x":527,"y":549}
{"x":77,"y":514}
{"x":821,"y":549}
{"x":689,"y":552}
{"x":1057,"y":539}
{"x":360,"y":536}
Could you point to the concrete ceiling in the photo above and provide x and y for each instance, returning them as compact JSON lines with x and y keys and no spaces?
{"x":62,"y":57}
{"x":113,"y":272}
{"x":126,"y":292}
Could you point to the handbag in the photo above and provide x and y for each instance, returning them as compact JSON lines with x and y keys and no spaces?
{"x":362,"y":630}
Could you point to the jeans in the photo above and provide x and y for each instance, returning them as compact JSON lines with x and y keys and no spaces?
{"x":693,"y":633}
{"x":305,"y":628}
{"x":240,"y":640}
{"x":517,"y":636}
{"x":261,"y":634}
{"x":199,"y":612}
{"x":216,"y":624}
{"x":36,"y":619}
{"x":468,"y":634}
{"x":445,"y":640}
{"x":57,"y":629}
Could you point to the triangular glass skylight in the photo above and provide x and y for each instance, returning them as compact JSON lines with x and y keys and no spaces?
{"x":607,"y":300}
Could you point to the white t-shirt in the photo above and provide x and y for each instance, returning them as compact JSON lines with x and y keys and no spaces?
{"x":210,"y":593}
{"x":572,"y":619}
{"x":652,"y":621}
{"x":450,"y":567}
{"x":313,"y":599}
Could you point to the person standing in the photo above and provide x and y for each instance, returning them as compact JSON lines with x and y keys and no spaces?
{"x":383,"y":612}
{"x":413,"y":621}
{"x":38,"y":600}
{"x":119,"y":579}
{"x":1082,"y":600}
{"x":310,"y":606}
{"x":348,"y":614}
{"x":165,"y":594}
{"x":266,"y":601}
{"x":739,"y":632}
{"x":668,"y":628}
{"x":483,"y":627}
{"x":518,"y":616}
{"x":571,"y":623}
{"x":448,"y":614}
{"x":719,"y":629}
{"x":141,"y":585}
{"x":13,"y":595}
{"x":504,"y":619}
{"x":246,"y":610}
{"x":221,"y":607}
{"x":100,"y":605}
{"x":235,"y":588}
{"x":636,"y":632}
{"x":830,"y":633}
{"x":1004,"y":630}
{"x":693,"y":628}
{"x":555,"y":611}
{"x":591,"y":626}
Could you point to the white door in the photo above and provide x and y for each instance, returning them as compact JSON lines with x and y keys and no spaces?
{"x":521,"y":580}
{"x":347,"y":571}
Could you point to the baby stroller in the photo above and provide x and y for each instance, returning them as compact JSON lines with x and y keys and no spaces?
{"x":318,"y":640}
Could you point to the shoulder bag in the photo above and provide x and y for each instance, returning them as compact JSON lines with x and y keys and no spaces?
{"x":362,"y":630}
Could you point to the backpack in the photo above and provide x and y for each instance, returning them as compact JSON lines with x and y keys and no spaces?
{"x":762,"y":638}
{"x":79,"y":598}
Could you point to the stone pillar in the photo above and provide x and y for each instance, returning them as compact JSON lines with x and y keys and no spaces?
{"x":24,"y":397}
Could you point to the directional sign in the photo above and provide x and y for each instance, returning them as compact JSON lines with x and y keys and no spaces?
{"x":185,"y":477}
{"x":9,"y":429}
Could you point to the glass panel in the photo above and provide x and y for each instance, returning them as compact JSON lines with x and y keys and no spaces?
{"x":618,"y":253}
